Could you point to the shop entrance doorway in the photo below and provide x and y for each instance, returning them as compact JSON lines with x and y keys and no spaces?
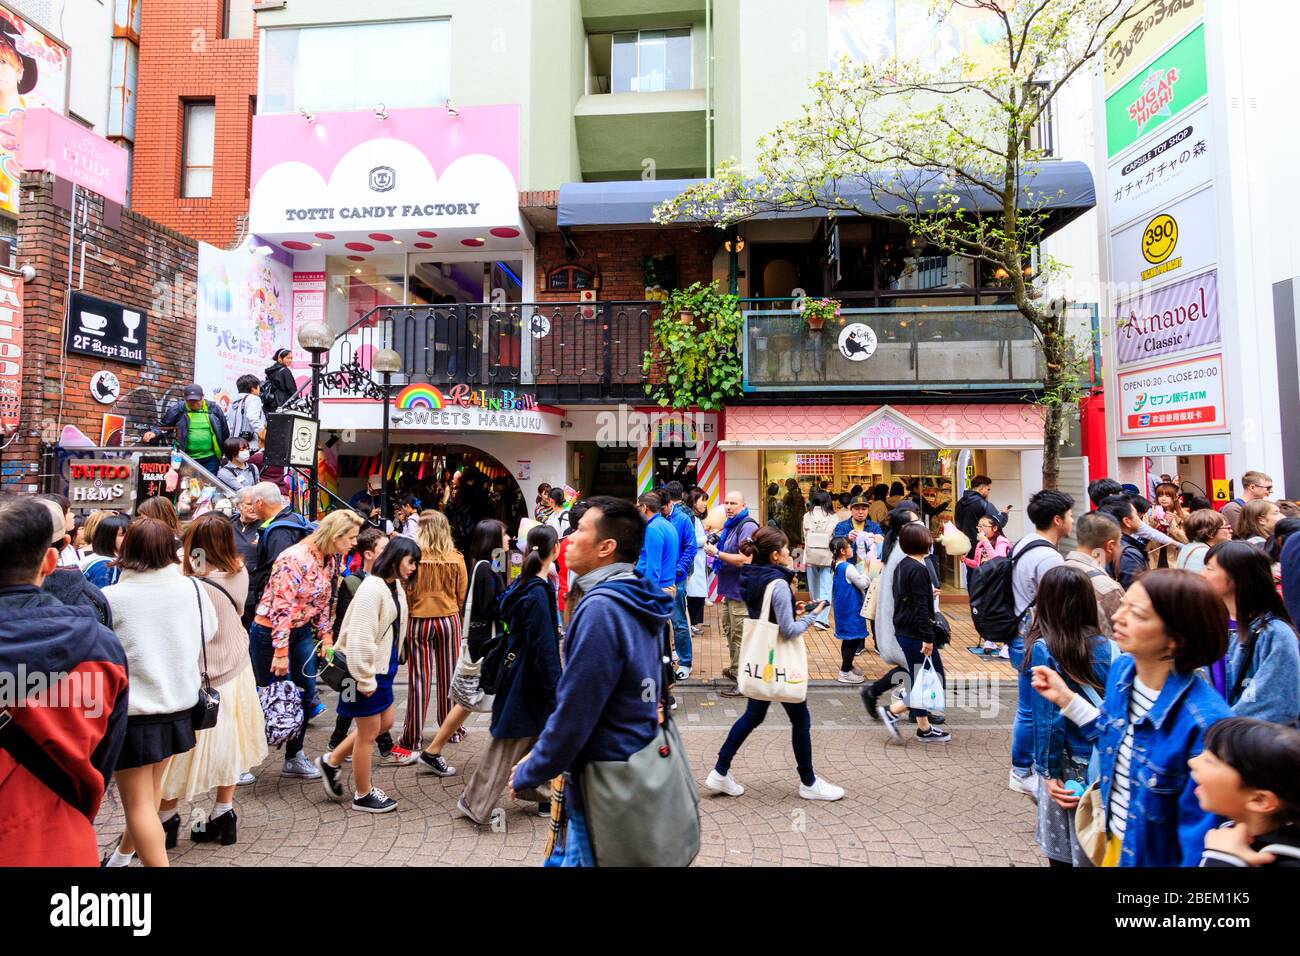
{"x":466,"y":484}
{"x":675,"y":464}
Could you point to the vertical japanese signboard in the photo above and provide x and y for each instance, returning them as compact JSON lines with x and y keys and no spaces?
{"x":1161,"y":215}
{"x":11,"y":352}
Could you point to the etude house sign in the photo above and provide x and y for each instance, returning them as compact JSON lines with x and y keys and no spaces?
{"x":885,"y":440}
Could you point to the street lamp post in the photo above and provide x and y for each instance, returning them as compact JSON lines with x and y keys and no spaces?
{"x":386,"y":362}
{"x":316,"y":338}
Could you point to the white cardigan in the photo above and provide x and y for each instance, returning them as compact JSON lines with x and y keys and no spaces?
{"x":156,"y":617}
{"x":366,"y":635}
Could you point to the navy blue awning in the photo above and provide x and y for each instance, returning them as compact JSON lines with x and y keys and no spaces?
{"x":1064,"y":189}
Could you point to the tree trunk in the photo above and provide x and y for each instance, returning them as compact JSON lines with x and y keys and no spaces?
{"x":1057,"y":408}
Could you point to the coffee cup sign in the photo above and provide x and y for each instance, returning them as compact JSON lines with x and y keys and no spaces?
{"x":94,"y":485}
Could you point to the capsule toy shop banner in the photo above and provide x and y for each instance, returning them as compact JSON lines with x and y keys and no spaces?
{"x":243,"y":317}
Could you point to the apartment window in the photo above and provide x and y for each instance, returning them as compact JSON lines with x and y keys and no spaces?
{"x":356,"y":67}
{"x":1042,"y":133}
{"x":640,"y":61}
{"x":200,"y":131}
{"x":237,"y":19}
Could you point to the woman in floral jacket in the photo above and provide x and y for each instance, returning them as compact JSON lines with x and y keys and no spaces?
{"x":299,"y":596}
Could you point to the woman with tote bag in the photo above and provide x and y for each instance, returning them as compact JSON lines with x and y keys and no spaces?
{"x":769,"y":600}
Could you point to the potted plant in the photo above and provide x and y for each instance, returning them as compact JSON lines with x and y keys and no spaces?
{"x":816,"y":312}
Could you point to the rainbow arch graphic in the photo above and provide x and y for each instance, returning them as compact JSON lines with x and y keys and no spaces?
{"x":419,"y":396}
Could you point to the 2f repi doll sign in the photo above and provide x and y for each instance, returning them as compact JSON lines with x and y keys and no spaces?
{"x":97,"y":485}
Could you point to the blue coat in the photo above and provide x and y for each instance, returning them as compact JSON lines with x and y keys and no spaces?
{"x":846,"y":602}
{"x":1271,"y":690}
{"x":1166,"y":825}
{"x":612,"y":654}
{"x":526,"y":700}
{"x":684,"y":524}
{"x":658,"y":561}
{"x":1054,"y":734}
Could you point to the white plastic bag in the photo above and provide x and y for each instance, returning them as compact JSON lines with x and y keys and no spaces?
{"x":927,"y":689}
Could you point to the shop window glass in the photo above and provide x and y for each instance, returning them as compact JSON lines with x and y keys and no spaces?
{"x":237,"y":19}
{"x":200,"y":142}
{"x":322,"y":69}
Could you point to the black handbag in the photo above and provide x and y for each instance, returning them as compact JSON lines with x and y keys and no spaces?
{"x":204,"y":714}
{"x":333,"y":671}
{"x":942,"y":630}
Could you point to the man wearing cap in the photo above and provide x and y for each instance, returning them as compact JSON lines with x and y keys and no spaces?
{"x":200,"y":428}
{"x":863,"y":533}
{"x":366,"y":501}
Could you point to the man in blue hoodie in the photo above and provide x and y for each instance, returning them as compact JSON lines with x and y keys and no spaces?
{"x":684,"y":524}
{"x":658,"y":560}
{"x":602,"y":710}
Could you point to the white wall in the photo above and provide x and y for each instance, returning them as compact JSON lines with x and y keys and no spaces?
{"x":742,"y":474}
{"x":1255,"y":120}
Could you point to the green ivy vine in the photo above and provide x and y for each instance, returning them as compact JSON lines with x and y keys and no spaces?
{"x":695,"y":362}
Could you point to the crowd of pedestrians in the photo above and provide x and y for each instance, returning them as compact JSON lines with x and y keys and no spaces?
{"x":1156,"y":662}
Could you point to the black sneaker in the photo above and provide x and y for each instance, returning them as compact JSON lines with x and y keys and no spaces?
{"x":434,"y":764}
{"x":376,"y":801}
{"x":937,"y":720}
{"x":933,"y":736}
{"x":544,"y":809}
{"x":329,"y":778}
{"x":672,"y":702}
{"x":870,"y":700}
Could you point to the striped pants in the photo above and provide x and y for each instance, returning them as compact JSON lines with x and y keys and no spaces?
{"x":432,"y":646}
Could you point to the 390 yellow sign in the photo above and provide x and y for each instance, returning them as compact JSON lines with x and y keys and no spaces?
{"x":1159,"y":238}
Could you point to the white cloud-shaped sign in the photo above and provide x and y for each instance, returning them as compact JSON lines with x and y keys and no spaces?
{"x":384,"y":184}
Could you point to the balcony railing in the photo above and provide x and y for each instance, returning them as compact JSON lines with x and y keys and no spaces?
{"x":574,"y":352}
{"x":563,"y":351}
{"x":973,"y":348}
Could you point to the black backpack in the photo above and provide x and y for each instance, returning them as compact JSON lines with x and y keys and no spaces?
{"x":992,"y":600}
{"x":270,"y":396}
{"x":494,"y":667}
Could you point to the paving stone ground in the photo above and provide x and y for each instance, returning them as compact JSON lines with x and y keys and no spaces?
{"x":906,"y":805}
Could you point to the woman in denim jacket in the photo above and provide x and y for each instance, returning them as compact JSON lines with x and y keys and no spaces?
{"x":1066,"y":637}
{"x":1263,"y":663}
{"x":1153,"y":718}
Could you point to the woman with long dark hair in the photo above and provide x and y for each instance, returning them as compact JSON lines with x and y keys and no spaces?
{"x":770,"y":564}
{"x":525,"y":696}
{"x":697,"y":585}
{"x":1262,"y":673}
{"x":1153,"y":718}
{"x":222,"y":754}
{"x":368,"y":640}
{"x":1066,"y":637}
{"x":486,"y":556}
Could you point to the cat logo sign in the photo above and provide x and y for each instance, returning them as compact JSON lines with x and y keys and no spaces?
{"x":1159,"y":239}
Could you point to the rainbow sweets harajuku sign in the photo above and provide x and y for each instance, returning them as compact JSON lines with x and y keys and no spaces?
{"x":422,"y":406}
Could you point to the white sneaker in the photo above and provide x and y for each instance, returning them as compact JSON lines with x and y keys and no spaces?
{"x":890,"y":721}
{"x":245,"y":779}
{"x":848,"y":677}
{"x":720,"y":784}
{"x":821,"y":790}
{"x":682,"y":673}
{"x":1026,"y":785}
{"x":1004,"y":653}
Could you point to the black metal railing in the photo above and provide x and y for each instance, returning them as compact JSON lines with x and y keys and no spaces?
{"x":563,"y":351}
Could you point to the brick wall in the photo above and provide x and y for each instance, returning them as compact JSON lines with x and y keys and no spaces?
{"x":155,"y":272}
{"x":182,"y":56}
{"x":618,"y":257}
